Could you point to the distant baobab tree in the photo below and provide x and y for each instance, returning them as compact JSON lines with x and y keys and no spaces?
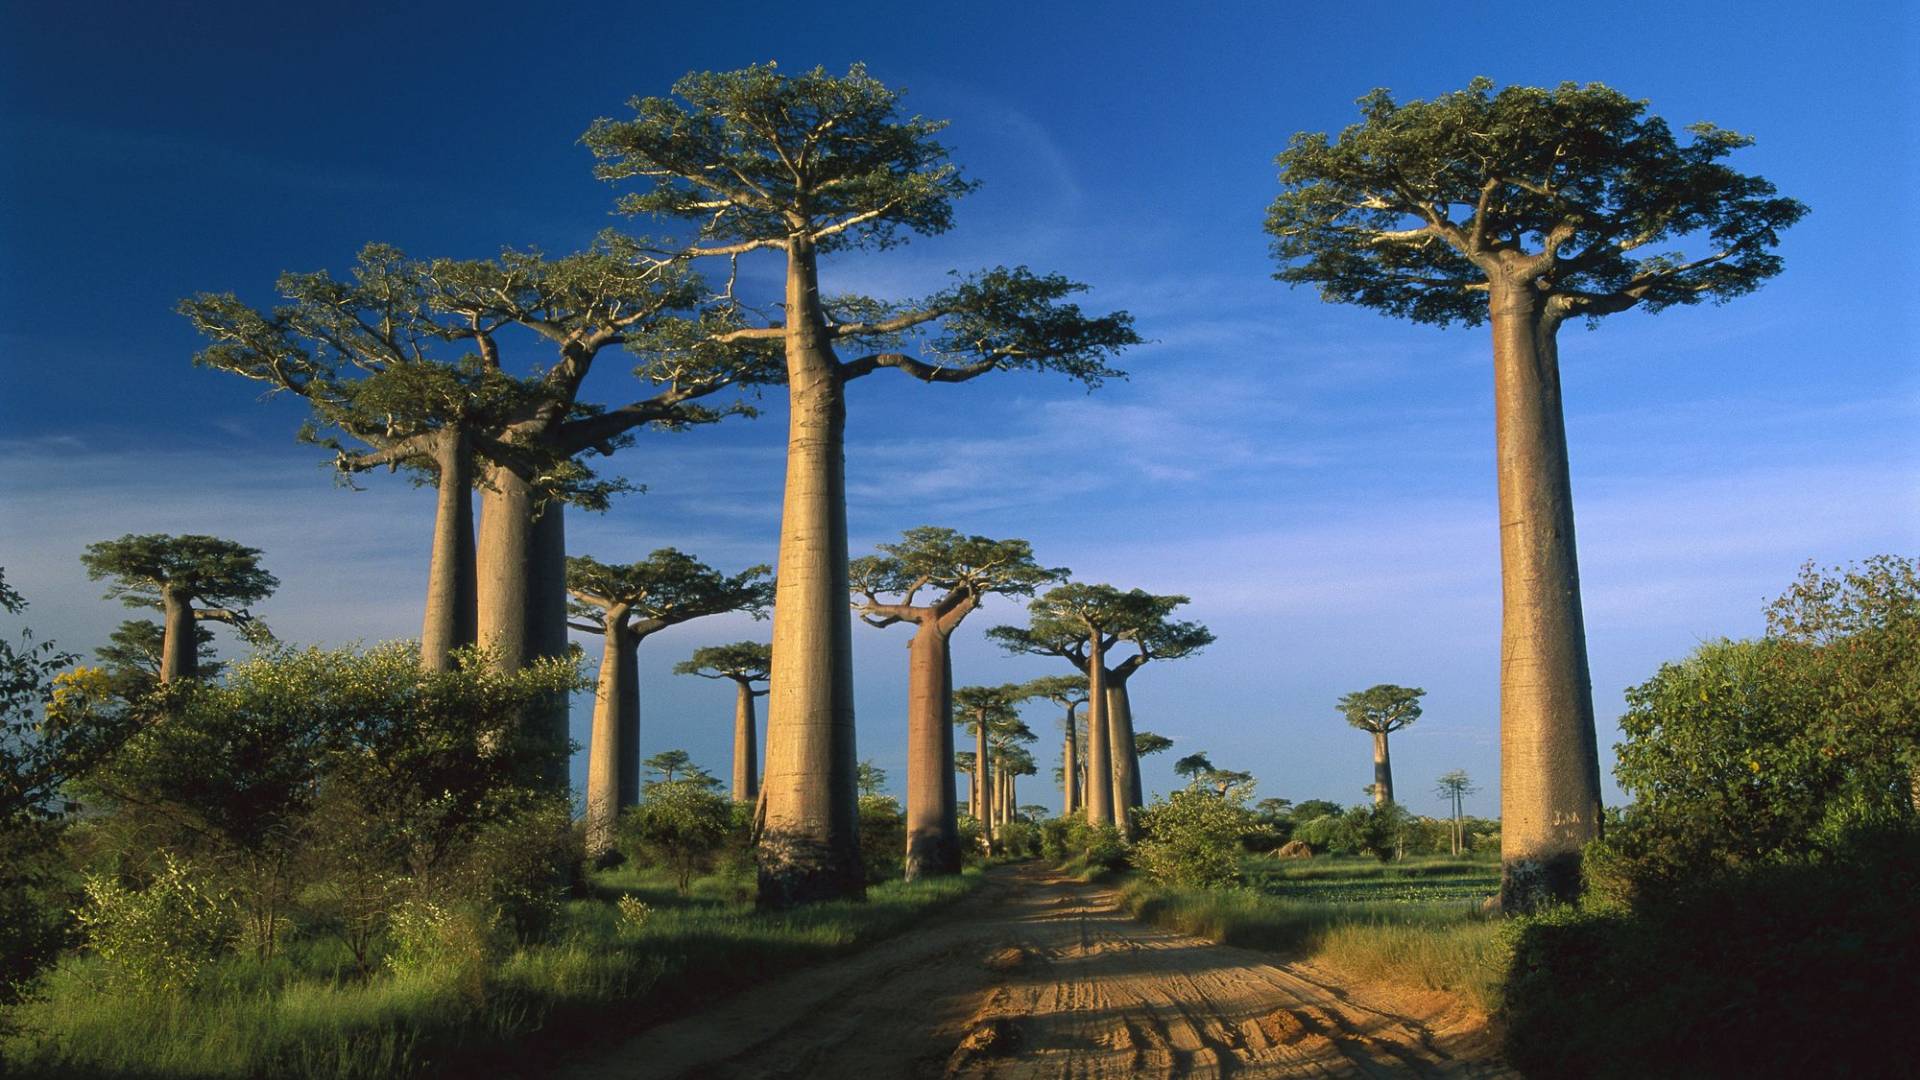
{"x":191,"y":579}
{"x":803,"y":166}
{"x":984,"y":711}
{"x":629,"y":604}
{"x":743,"y":663}
{"x":959,"y":572}
{"x":1526,"y":208}
{"x":1380,"y":711}
{"x":1455,"y":787}
{"x":1069,"y":692}
{"x":405,"y":363}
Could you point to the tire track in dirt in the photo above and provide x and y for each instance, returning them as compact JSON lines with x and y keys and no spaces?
{"x":1040,"y":976}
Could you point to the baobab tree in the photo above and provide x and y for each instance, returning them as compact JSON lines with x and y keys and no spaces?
{"x":802,"y":166}
{"x":1135,"y":617}
{"x":191,"y":579}
{"x":629,"y":604}
{"x":1455,"y":787}
{"x":134,"y":654}
{"x":405,"y":364}
{"x":960,"y":572}
{"x":1526,"y":208}
{"x":984,"y":711}
{"x":743,"y":663}
{"x":1380,"y":711}
{"x":1070,"y":693}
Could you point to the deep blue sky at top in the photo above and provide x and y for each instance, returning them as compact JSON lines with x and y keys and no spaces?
{"x":1317,"y":478}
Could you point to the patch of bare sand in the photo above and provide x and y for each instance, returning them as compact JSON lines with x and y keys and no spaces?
{"x":1040,"y":976}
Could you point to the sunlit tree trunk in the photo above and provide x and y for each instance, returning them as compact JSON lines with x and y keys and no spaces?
{"x":983,"y":783}
{"x":1549,"y":759}
{"x":810,"y":849}
{"x":179,"y":651}
{"x":1099,"y":760}
{"x":452,"y":590}
{"x":521,"y":565}
{"x":746,"y":765}
{"x":1126,"y":759}
{"x":1382,"y":770}
{"x":1070,"y":770}
{"x":615,"y":739}
{"x":933,"y":827}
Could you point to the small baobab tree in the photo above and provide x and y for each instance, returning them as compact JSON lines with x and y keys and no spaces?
{"x":1380,"y":711}
{"x":743,"y":663}
{"x":1134,"y":617}
{"x":1070,"y":693}
{"x":1526,"y":208}
{"x":985,"y":711}
{"x":804,"y":166}
{"x":629,"y":604}
{"x":1455,"y":787}
{"x":191,"y":579}
{"x":960,"y":572}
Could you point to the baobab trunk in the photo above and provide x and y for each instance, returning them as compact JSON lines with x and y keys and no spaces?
{"x":452,"y":614}
{"x":746,"y":764}
{"x":1099,"y":761}
{"x":1126,"y":758}
{"x":1549,"y":759}
{"x":616,"y":732}
{"x":1382,"y":770}
{"x":982,"y":783}
{"x":810,"y":849}
{"x":933,"y":825}
{"x":179,"y":652}
{"x":1070,"y":770}
{"x":521,"y":566}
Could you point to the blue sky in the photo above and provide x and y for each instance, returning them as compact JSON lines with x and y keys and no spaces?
{"x":1319,"y":479}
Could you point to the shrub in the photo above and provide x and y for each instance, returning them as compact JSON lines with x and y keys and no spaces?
{"x":634,"y":912}
{"x":1192,"y":839}
{"x":424,"y":937}
{"x":883,"y":838}
{"x":1019,"y":839}
{"x":681,"y":825}
{"x":161,"y":938}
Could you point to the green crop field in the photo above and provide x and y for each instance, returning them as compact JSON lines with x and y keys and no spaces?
{"x":1345,"y":879}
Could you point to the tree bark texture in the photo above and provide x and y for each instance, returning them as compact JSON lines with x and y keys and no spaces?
{"x":810,"y":849}
{"x":1070,"y":770}
{"x":1126,"y":758}
{"x":1099,"y":759}
{"x":179,"y":652}
{"x":746,"y":759}
{"x":521,"y":564}
{"x":613,"y":780}
{"x":983,"y":782}
{"x":1382,"y":770}
{"x":933,"y":826}
{"x":452,"y":614}
{"x":1549,"y":758}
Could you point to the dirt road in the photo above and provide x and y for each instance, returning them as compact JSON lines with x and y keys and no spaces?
{"x":1039,"y":976}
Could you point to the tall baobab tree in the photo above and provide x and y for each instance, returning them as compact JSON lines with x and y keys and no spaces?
{"x":629,"y":604}
{"x":1380,"y":711}
{"x":743,"y":663}
{"x":191,"y":579}
{"x":1070,"y":693}
{"x":960,"y":572}
{"x":1137,"y":618}
{"x":1455,"y":787}
{"x":802,"y":166}
{"x":1526,"y":208}
{"x":984,"y":711}
{"x":405,"y":364}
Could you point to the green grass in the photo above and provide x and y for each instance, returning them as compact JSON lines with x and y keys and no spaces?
{"x":305,"y":1015}
{"x":1416,"y":923}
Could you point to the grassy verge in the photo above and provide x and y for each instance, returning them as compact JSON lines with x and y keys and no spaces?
{"x":1370,"y":920}
{"x":599,"y":979}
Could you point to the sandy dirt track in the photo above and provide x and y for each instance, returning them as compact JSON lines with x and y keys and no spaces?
{"x":1039,"y":976}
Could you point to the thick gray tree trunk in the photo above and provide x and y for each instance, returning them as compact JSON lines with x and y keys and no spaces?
{"x":810,"y":848}
{"x":179,"y":651}
{"x":933,"y":826}
{"x":1549,"y":758}
{"x":1127,"y":794}
{"x":1382,"y":770}
{"x":1099,"y":758}
{"x":983,"y":782}
{"x":746,"y":764}
{"x":616,"y":734}
{"x":521,"y":565}
{"x":1070,"y":770}
{"x":452,"y":614}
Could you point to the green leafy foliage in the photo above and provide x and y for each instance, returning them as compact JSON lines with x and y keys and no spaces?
{"x":666,"y":588}
{"x":681,"y":824}
{"x":1573,"y":191}
{"x":1191,"y":839}
{"x":883,"y":837}
{"x":163,"y":937}
{"x":742,"y":661}
{"x":1382,"y":709}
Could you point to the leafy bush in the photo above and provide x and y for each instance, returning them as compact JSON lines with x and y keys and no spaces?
{"x":1100,"y":850}
{"x":1192,"y":839}
{"x":680,"y":825}
{"x":1019,"y":839}
{"x":883,"y":838}
{"x":1055,"y":834}
{"x":161,"y":938}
